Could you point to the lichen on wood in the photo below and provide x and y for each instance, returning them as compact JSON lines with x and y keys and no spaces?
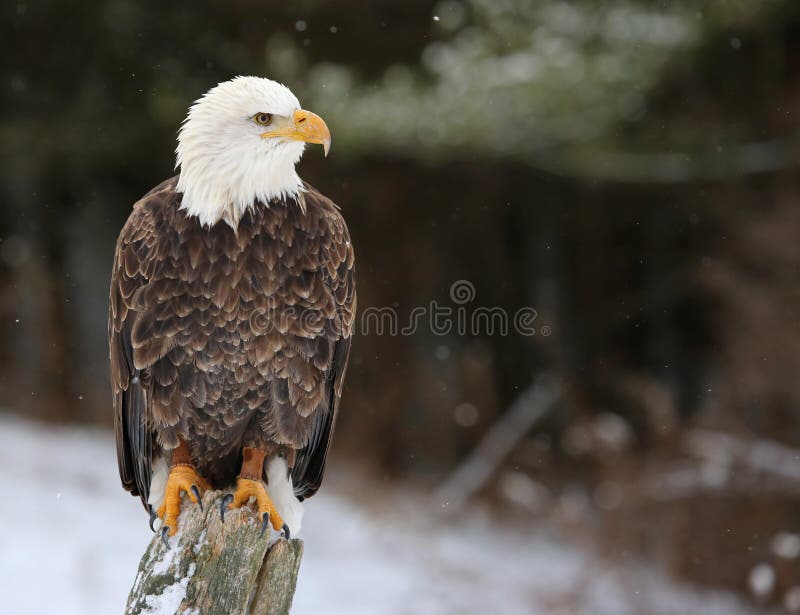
{"x":216,"y":568}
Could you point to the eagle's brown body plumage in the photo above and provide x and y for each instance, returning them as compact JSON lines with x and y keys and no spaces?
{"x":229,"y":338}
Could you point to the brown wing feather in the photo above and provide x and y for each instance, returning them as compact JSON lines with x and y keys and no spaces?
{"x":338,"y":265}
{"x":136,"y":256}
{"x":310,"y":464}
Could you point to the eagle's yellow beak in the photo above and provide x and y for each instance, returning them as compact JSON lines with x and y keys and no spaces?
{"x":305,"y":126}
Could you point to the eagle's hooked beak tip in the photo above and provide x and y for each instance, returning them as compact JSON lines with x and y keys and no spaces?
{"x":311,"y":128}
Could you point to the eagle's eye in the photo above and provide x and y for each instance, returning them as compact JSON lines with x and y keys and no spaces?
{"x":265,"y":119}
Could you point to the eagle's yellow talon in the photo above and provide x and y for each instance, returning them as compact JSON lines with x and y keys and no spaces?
{"x":182,"y":478}
{"x":247,"y":488}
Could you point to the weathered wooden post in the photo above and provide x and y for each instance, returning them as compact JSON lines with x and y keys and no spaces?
{"x":216,"y":568}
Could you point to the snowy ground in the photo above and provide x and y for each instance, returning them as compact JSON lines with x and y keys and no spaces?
{"x":71,"y":540}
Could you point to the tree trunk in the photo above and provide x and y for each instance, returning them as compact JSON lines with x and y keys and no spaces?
{"x":215,"y":568}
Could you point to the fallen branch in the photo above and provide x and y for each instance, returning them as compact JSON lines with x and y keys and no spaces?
{"x":726,"y":464}
{"x":762,"y":455}
{"x":215,"y":568}
{"x":530,"y":407}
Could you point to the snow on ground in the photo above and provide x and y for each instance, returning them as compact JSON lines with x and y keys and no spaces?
{"x":71,"y":540}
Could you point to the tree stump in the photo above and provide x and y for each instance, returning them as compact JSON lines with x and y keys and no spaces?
{"x":215,"y":568}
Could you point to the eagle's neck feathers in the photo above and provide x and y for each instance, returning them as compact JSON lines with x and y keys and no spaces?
{"x":225,"y":184}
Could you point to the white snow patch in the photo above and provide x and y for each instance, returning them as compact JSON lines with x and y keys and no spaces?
{"x":761,"y":580}
{"x":791,"y":600}
{"x":163,"y":565}
{"x":168,"y":602}
{"x":786,"y":545}
{"x":85,"y":546}
{"x":201,"y":542}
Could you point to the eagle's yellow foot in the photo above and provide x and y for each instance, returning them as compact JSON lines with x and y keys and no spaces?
{"x":182,"y":478}
{"x":247,"y":488}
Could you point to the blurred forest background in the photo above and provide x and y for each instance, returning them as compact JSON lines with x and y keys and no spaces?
{"x":627,"y":168}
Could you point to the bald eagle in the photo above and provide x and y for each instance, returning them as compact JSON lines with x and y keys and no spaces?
{"x":231,"y":314}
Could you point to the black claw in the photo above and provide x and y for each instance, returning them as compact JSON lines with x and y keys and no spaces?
{"x":153,"y":517}
{"x":164,"y":532}
{"x":286,"y":533}
{"x":196,"y":493}
{"x":223,"y":506}
{"x":264,"y":524}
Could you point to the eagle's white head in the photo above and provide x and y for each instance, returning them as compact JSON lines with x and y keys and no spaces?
{"x":239,"y":145}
